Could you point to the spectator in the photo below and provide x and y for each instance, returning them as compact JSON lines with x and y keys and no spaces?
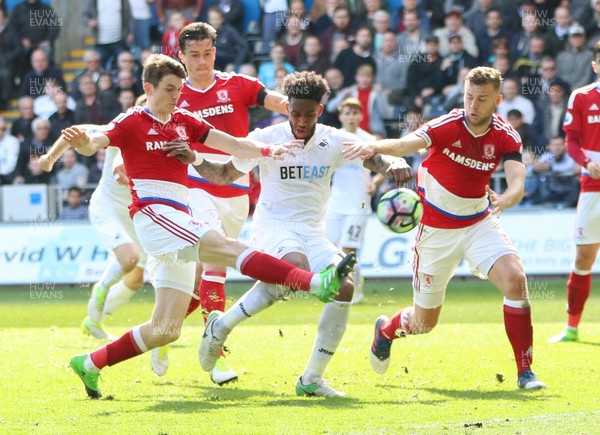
{"x":411,"y":41}
{"x":574,"y":61}
{"x":33,"y":174}
{"x":191,"y":9}
{"x":312,"y":57}
{"x":499,"y":48}
{"x":515,"y":118}
{"x":9,"y":153}
{"x":527,"y":68}
{"x":273,"y":17}
{"x":292,"y":40}
{"x":425,"y":78}
{"x":456,"y":59}
{"x":105,"y":83}
{"x":63,"y":117}
{"x":141,"y":14}
{"x":491,"y":32}
{"x":95,"y":172}
{"x":39,"y":143}
{"x":454,"y":95}
{"x":92,"y":66}
{"x":381,"y":24}
{"x":126,"y":62}
{"x":374,"y":101}
{"x":335,"y":80}
{"x":341,"y":32}
{"x":324,"y":22}
{"x":532,"y":184}
{"x":170,"y":37}
{"x":34,"y":82}
{"x":410,"y":6}
{"x":126,"y":99}
{"x":476,"y":18}
{"x":519,"y":46}
{"x":126,"y":82}
{"x":557,"y":173}
{"x":74,"y":210}
{"x":233,"y":12}
{"x":552,"y":111}
{"x":266,"y":70}
{"x":9,"y":55}
{"x":231,"y":46}
{"x":95,"y":107}
{"x":298,"y":9}
{"x":366,"y":14}
{"x":36,"y":26}
{"x":392,"y":70}
{"x":453,"y":23}
{"x":72,"y":172}
{"x":512,"y":100}
{"x":111,"y":24}
{"x":21,"y":127}
{"x":353,"y":57}
{"x":556,"y":37}
{"x":44,"y":106}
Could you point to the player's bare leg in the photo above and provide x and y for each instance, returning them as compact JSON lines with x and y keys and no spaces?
{"x":579,"y":286}
{"x":508,"y":275}
{"x":126,"y":259}
{"x":358,"y":295}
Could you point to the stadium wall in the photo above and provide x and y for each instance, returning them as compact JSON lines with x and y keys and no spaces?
{"x":39,"y":253}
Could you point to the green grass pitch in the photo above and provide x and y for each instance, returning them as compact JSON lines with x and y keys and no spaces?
{"x":445,"y":382}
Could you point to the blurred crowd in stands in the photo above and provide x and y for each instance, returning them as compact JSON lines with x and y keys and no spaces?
{"x":405,"y":60}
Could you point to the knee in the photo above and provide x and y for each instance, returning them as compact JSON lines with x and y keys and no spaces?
{"x":129,"y":261}
{"x":516,"y":285}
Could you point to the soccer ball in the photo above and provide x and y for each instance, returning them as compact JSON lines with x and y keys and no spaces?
{"x":400,"y":210}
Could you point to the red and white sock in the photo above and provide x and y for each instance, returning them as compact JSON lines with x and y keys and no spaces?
{"x":517,"y":323}
{"x":396,"y":324}
{"x":127,"y":346}
{"x":578,"y":290}
{"x":212,"y":292}
{"x":266,"y":268}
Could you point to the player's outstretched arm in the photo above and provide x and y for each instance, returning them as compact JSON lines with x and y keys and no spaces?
{"x":85,"y":143}
{"x":218,"y":172}
{"x":391,"y":167}
{"x":515,"y":179}
{"x":392,"y":147}
{"x":59,"y":147}
{"x":247,"y":148}
{"x":276,"y":102}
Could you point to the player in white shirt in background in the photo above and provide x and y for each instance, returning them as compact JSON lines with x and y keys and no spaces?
{"x":289,"y":221}
{"x":351,"y":190}
{"x":109,"y":215}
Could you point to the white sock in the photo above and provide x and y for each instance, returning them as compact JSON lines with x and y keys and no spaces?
{"x":137,"y":337}
{"x":315,"y":282}
{"x":118,"y":296}
{"x":358,"y":282}
{"x":260,"y":297}
{"x":112,"y":274}
{"x":89,"y":365}
{"x":330,"y":331}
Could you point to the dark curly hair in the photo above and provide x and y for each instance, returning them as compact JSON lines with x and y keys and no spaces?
{"x":196,"y":32}
{"x":306,"y":85}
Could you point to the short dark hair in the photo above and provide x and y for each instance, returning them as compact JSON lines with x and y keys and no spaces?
{"x":196,"y":32}
{"x":158,"y":66}
{"x":307,"y":85}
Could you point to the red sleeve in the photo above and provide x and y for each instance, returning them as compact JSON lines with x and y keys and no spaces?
{"x":573,"y":120}
{"x":199,"y":129}
{"x":251,"y":88}
{"x":114,"y":130}
{"x":573,"y":141}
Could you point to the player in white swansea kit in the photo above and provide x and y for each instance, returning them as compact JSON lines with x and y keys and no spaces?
{"x":289,"y":221}
{"x":109,"y":215}
{"x":350,"y":201}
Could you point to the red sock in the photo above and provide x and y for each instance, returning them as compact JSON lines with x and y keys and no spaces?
{"x":266,"y":268}
{"x":393,"y":327}
{"x":194,"y":303}
{"x":120,"y":350}
{"x":212,"y":292}
{"x":578,"y":290}
{"x":517,"y":322}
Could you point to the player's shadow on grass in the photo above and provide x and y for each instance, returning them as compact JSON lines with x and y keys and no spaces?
{"x":320,"y":402}
{"x":516,"y":394}
{"x":589,"y":343}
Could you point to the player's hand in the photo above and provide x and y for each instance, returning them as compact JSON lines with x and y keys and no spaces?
{"x":278,"y":152}
{"x":354,"y":150}
{"x":76,"y":137}
{"x":400,"y":171}
{"x":120,"y":175}
{"x":46,"y":162}
{"x":499,"y":202}
{"x":180,"y":150}
{"x":593,"y":169}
